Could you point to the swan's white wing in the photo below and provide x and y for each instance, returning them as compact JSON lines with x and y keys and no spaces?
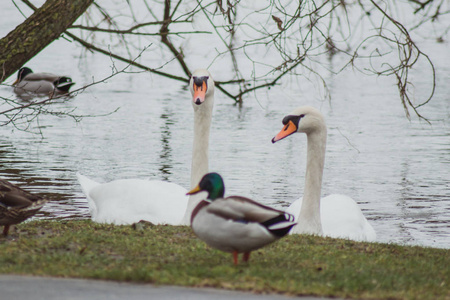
{"x":127,"y":201}
{"x":295,"y":207}
{"x":87,"y":185}
{"x":341,"y":217}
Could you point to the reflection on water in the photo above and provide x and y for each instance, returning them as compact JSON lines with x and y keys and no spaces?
{"x":397,"y":170}
{"x":166,"y":161}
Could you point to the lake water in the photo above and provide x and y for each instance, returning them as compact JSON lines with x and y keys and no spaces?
{"x":397,"y":170}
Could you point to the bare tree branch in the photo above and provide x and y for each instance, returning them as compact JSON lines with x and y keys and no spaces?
{"x":268,"y":42}
{"x":39,"y":30}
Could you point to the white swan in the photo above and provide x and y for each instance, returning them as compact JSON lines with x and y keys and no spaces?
{"x":336,"y":215}
{"x":127,"y":201}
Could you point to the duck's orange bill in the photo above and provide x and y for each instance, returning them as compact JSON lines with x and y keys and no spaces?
{"x":199,"y":93}
{"x":16,"y":82}
{"x":287,"y":130}
{"x":194,"y":190}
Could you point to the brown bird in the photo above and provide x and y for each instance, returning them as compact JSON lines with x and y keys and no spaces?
{"x":16,"y":205}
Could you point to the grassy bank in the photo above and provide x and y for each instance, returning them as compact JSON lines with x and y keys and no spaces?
{"x":296,"y":265}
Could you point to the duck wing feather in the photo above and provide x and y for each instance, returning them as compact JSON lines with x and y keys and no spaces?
{"x":242,"y":209}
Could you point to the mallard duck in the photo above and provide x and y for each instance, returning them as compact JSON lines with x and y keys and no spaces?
{"x":29,"y":83}
{"x":235,"y":224}
{"x":335,"y":215}
{"x":16,"y":205}
{"x":127,"y":201}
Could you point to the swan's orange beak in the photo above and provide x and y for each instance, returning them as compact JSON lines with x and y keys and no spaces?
{"x":287,"y":130}
{"x":200,"y":93}
{"x":16,"y":82}
{"x":194,"y":190}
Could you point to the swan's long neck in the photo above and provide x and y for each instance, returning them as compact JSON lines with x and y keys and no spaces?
{"x":309,"y":218}
{"x":200,"y":152}
{"x":200,"y":149}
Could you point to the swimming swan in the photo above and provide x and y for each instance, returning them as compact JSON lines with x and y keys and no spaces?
{"x":127,"y":201}
{"x":335,"y":215}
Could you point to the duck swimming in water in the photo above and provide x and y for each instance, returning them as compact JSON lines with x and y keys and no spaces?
{"x":29,"y":84}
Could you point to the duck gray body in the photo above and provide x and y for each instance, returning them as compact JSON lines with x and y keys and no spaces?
{"x":29,"y":84}
{"x":235,"y":224}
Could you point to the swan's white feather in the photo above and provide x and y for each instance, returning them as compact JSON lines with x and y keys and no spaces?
{"x":341,"y":218}
{"x":336,"y":215}
{"x":126,"y":201}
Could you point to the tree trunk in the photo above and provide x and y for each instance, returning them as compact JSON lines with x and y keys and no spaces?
{"x":44,"y":26}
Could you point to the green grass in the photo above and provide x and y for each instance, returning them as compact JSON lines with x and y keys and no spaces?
{"x":296,"y":265}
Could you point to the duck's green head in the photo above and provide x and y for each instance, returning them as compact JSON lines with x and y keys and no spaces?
{"x":211,"y":183}
{"x":63,"y":83}
{"x":22,"y":73}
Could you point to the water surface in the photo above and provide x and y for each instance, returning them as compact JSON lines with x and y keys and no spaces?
{"x":397,"y":170}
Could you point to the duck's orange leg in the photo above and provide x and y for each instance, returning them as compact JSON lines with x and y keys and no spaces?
{"x":246,"y":256}
{"x":235,"y":257}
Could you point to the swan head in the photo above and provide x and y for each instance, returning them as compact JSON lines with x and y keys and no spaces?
{"x":212,"y":183}
{"x":201,"y":86}
{"x":304,"y":119}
